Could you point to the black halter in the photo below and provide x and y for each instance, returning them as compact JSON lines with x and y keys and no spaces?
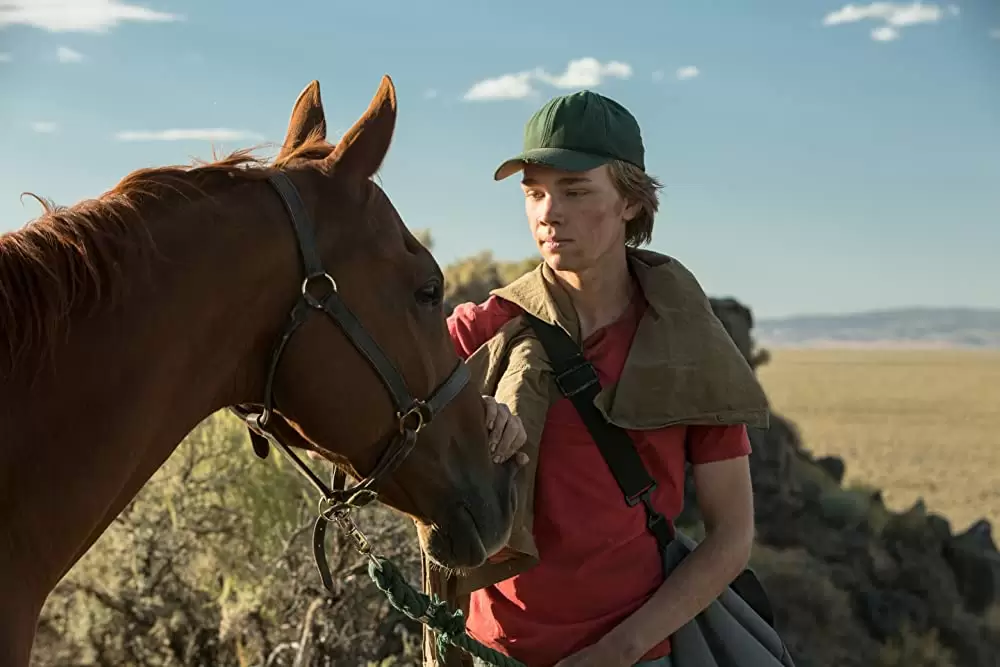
{"x":412,"y":414}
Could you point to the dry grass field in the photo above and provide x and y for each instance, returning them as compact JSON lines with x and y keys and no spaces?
{"x":915,"y":423}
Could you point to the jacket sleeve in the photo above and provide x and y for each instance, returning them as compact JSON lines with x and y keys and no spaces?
{"x":471,"y":325}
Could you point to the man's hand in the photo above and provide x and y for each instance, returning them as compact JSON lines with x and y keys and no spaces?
{"x":506,"y":432}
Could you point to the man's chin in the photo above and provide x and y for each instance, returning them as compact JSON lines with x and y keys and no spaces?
{"x":559,"y":261}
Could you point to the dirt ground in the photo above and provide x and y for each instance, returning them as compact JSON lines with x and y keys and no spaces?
{"x":915,"y":423}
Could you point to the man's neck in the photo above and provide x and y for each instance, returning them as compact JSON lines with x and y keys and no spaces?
{"x":600,"y":294}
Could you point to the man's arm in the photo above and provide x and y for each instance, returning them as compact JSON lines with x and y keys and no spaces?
{"x":725,"y":498}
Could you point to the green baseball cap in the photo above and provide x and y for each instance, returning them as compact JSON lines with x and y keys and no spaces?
{"x":578,"y":132}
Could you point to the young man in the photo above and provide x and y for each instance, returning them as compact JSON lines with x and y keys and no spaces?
{"x":581,"y":581}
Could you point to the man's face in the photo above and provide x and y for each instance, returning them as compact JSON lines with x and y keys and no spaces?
{"x":576,"y":218}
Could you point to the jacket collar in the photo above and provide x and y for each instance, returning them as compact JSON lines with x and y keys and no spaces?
{"x":682,"y":367}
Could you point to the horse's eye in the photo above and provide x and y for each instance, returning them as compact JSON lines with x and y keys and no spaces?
{"x":431,"y":294}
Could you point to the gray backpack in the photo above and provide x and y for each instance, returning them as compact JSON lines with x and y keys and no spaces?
{"x":737,"y":628}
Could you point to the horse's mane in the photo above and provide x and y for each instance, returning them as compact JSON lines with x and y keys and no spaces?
{"x":72,"y":258}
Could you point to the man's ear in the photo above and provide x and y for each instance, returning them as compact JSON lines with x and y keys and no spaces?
{"x":632,"y":211}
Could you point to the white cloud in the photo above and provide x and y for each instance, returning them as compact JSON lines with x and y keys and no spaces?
{"x":896,"y":14}
{"x":210,"y":134}
{"x":5,"y":58}
{"x":658,"y":75}
{"x":581,"y":73}
{"x":506,"y":87}
{"x":893,"y":15}
{"x":44,"y":127}
{"x":885,"y":34}
{"x":689,"y":72}
{"x":430,"y":94}
{"x":68,"y":55}
{"x":585,"y":73}
{"x":76,"y":15}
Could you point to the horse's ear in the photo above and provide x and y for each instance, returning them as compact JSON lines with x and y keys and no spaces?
{"x":362,"y":149}
{"x":307,"y":119}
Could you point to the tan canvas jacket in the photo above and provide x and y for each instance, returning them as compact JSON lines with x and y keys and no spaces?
{"x":682,"y":368}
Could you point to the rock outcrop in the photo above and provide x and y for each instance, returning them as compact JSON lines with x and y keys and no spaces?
{"x":881,"y":580}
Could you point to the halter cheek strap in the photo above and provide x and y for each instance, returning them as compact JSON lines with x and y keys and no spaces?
{"x":411,"y":414}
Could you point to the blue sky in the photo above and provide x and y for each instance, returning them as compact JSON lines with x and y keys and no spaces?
{"x":817,"y":156}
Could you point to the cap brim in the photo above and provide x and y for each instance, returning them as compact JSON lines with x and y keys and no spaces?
{"x":557,"y":158}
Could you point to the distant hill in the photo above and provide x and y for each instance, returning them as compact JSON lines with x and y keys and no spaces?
{"x":933,"y":327}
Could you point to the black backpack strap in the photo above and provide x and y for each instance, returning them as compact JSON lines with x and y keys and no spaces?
{"x":577,"y":380}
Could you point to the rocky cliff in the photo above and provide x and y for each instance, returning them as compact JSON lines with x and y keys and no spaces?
{"x":854,"y":583}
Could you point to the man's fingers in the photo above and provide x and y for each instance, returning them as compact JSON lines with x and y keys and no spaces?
{"x":491,"y":411}
{"x":499,"y":428}
{"x":506,"y":433}
{"x":511,"y":441}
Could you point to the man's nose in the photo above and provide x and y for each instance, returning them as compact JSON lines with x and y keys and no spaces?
{"x":550,"y":210}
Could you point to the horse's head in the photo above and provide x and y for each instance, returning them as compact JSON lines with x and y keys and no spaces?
{"x":347,"y":378}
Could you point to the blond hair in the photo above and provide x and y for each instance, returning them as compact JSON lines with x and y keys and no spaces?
{"x":637,"y":187}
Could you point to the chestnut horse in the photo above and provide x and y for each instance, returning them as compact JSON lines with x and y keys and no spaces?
{"x":131,"y":318}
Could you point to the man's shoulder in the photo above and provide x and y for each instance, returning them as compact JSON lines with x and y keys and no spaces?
{"x":667,"y":283}
{"x":658,"y":263}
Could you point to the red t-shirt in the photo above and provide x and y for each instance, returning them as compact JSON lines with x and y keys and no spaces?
{"x":598,"y":561}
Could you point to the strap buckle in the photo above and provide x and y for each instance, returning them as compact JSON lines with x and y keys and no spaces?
{"x":577,"y":378}
{"x":642,"y":497}
{"x":656,"y":523}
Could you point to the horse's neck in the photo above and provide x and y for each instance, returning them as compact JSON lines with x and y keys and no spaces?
{"x":126,"y":386}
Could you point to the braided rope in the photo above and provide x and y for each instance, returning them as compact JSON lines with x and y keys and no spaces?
{"x":432,"y":612}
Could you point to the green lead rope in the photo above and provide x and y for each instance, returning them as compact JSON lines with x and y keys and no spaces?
{"x":433,"y":612}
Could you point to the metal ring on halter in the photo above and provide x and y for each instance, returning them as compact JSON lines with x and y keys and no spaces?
{"x":310,"y":299}
{"x":328,"y":506}
{"x":260,"y":421}
{"x":419,"y":410}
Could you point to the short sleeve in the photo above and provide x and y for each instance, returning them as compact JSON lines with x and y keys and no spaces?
{"x":706,"y":444}
{"x":470,"y":324}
